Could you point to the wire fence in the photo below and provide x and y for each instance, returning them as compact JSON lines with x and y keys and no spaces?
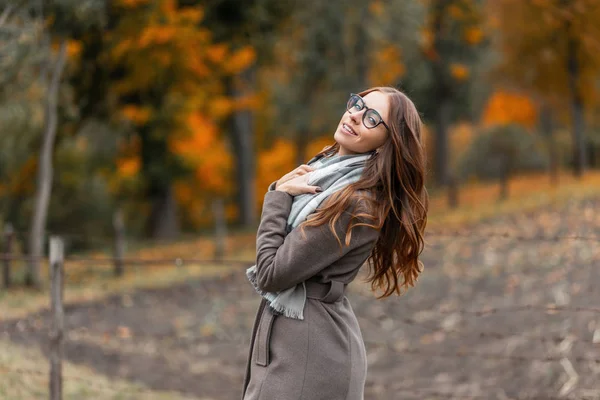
{"x":565,"y":359}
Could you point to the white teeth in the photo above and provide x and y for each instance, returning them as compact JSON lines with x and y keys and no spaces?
{"x":349,"y":130}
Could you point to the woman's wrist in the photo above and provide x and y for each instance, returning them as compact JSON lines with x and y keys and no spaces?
{"x":281,"y":188}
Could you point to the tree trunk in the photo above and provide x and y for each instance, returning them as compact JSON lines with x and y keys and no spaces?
{"x":162,"y":222}
{"x":576,"y":106}
{"x":242,"y":139}
{"x":442,"y":92}
{"x":119,"y":250}
{"x":547,"y":128}
{"x":504,"y":180}
{"x":45,"y":172}
{"x":452,"y":192}
{"x":442,"y":119}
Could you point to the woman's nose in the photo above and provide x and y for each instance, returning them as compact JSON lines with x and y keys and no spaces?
{"x":355,"y":116}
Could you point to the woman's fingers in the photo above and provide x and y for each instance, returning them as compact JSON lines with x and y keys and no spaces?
{"x":296,"y":172}
{"x":299,"y":185}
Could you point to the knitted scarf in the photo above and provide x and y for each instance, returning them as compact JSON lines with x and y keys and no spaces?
{"x":331,"y":174}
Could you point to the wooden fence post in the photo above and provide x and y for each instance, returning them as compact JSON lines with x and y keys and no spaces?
{"x":220,"y":228}
{"x":119,"y":227}
{"x":57,"y":327}
{"x":8,"y":239}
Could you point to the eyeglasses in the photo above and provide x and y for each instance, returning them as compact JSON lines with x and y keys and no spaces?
{"x":370,"y":118}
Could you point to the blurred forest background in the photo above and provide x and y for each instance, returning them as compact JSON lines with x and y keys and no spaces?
{"x":147,"y":111}
{"x":143,"y":134}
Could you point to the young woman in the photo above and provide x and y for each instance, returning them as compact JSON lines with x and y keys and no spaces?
{"x":362,"y":198}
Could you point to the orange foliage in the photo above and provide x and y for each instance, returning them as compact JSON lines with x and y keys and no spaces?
{"x":131,"y":3}
{"x":534,"y":55}
{"x":128,"y":167}
{"x":138,"y":115}
{"x":153,"y":35}
{"x":317,"y":145}
{"x":456,"y":12}
{"x":504,"y":108}
{"x":202,"y":149}
{"x":473,"y":35}
{"x":459,"y":71}
{"x":165,"y":47}
{"x":376,"y":8}
{"x":217,"y":53}
{"x":73,"y":48}
{"x":240,"y":60}
{"x":387,"y":67}
{"x":272,"y":164}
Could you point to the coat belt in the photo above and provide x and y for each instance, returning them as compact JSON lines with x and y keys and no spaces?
{"x":326,"y":292}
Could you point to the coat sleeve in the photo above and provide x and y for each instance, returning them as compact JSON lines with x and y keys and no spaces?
{"x":284,"y":260}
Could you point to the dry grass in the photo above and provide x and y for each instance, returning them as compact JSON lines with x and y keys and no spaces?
{"x":24,"y":375}
{"x":478,"y":201}
{"x":18,"y":302}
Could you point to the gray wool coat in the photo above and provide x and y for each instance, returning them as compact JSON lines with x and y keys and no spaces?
{"x":323,"y":356}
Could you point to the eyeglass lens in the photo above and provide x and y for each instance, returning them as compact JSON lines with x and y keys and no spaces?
{"x":370,"y":118}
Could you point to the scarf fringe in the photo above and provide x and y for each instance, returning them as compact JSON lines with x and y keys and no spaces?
{"x":273,"y":298}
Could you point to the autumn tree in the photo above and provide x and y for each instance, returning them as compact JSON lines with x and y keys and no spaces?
{"x":351,"y":45}
{"x":243,"y":25}
{"x":42,"y":30}
{"x":169,"y":87}
{"x":453,"y":37}
{"x":556,"y":58}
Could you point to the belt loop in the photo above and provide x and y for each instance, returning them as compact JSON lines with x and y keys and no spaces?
{"x":336,"y":291}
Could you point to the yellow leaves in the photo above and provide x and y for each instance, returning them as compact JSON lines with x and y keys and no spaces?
{"x":427,"y":38}
{"x":220,"y":106}
{"x":136,"y":114}
{"x":387,"y":67}
{"x":200,"y":135}
{"x":504,"y":108}
{"x":200,"y":146}
{"x":248,"y":102}
{"x":240,"y":59}
{"x":168,"y":7}
{"x":317,"y":145}
{"x":128,"y":167}
{"x":191,"y":15}
{"x":456,"y":12}
{"x":473,"y":35}
{"x":217,"y":53}
{"x":131,"y":3}
{"x":73,"y":48}
{"x":376,"y":8}
{"x":273,"y":163}
{"x":156,"y":35}
{"x":460,"y":72}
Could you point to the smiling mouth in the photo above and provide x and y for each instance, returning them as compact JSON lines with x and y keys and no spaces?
{"x":348,"y":129}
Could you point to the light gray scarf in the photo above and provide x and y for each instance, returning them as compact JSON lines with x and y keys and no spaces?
{"x":331,"y":174}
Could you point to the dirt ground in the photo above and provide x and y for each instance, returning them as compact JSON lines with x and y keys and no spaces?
{"x":432,"y":343}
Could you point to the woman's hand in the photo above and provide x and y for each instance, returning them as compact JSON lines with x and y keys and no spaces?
{"x":296,"y":181}
{"x":301,"y":170}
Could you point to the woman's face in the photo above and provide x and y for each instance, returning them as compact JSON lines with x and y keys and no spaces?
{"x":353,"y":136}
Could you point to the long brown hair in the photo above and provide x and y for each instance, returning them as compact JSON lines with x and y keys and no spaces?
{"x":392,"y":189}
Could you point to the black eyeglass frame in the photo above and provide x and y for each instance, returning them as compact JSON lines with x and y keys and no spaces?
{"x":364,"y":107}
